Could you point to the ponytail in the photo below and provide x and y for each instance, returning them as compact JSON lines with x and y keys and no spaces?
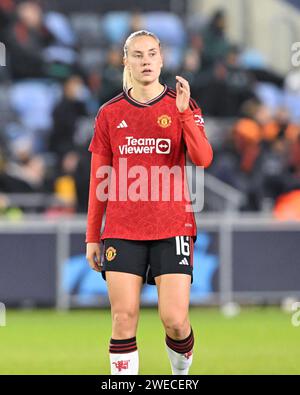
{"x":127,"y":82}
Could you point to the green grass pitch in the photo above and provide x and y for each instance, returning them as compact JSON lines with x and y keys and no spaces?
{"x":257,"y":341}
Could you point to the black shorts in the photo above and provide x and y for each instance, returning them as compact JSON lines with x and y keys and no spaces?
{"x":149,"y":258}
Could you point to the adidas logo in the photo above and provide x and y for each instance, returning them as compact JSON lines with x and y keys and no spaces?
{"x":184,"y":262}
{"x":123,"y":124}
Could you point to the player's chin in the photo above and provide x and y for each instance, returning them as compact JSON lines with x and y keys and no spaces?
{"x":147,"y":81}
{"x":150,"y":76}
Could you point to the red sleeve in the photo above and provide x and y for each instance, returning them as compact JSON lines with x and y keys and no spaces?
{"x":198,"y":146}
{"x":100,"y":143}
{"x":97,"y":204}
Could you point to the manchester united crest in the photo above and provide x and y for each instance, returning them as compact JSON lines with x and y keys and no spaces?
{"x":111,"y":253}
{"x":164,"y":121}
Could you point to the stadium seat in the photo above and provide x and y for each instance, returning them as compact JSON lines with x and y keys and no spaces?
{"x":92,"y":59}
{"x":35,"y":113}
{"x":116,"y":26}
{"x":172,"y":57}
{"x":291,"y":101}
{"x":169,"y":27}
{"x":88,"y":29}
{"x":60,"y":54}
{"x":195,"y":23}
{"x":59,"y":25}
{"x":253,"y":59}
{"x":269,"y":94}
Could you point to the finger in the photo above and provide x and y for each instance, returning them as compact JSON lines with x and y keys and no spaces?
{"x":98,"y":257}
{"x":179,"y":78}
{"x":98,"y":265}
{"x":97,"y":261}
{"x":183,"y":81}
{"x":94,"y":265}
{"x":97,"y":268}
{"x":181,"y":89}
{"x":91,"y":262}
{"x":184,"y":89}
{"x":184,"y":92}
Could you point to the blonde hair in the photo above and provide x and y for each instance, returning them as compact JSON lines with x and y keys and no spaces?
{"x":127,"y":81}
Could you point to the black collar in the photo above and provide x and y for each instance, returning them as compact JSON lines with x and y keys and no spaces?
{"x":148,"y":103}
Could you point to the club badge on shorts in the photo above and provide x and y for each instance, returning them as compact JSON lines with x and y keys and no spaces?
{"x":111,"y":253}
{"x":164,"y":121}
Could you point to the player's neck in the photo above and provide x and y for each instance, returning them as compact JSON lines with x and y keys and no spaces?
{"x":145,"y":93}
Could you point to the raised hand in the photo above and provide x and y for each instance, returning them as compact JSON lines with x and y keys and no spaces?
{"x":183,"y":93}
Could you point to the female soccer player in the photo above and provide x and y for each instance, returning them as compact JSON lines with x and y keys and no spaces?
{"x":148,"y":235}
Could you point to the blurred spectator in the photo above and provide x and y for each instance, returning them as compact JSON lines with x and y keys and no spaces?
{"x":7,"y":14}
{"x":215,"y":42}
{"x":229,"y":87}
{"x":287,"y":207}
{"x":281,"y":128}
{"x":191,"y":71}
{"x":67,"y":112}
{"x":25,"y":40}
{"x":81,"y":178}
{"x":237,"y":162}
{"x":23,"y":171}
{"x":64,"y":183}
{"x":293,"y":176}
{"x":112,"y":75}
{"x":262,"y":156}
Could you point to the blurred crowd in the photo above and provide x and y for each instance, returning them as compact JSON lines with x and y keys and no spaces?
{"x":261,"y":156}
{"x":61,"y":68}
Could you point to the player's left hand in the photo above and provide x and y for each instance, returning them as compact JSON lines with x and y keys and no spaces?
{"x":183,"y":93}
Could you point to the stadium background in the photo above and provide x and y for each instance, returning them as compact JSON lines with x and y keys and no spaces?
{"x":63,"y":60}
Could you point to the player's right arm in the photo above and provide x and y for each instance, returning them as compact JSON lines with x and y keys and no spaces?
{"x":96,"y":209}
{"x":101,"y":156}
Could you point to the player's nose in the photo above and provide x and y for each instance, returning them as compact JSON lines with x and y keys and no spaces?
{"x":146,"y":60}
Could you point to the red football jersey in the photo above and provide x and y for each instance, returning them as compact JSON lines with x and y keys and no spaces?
{"x":143,"y":138}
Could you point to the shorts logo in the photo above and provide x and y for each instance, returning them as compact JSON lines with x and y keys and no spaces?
{"x":163,"y":146}
{"x":111,"y":253}
{"x":184,"y":262}
{"x":164,"y":121}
